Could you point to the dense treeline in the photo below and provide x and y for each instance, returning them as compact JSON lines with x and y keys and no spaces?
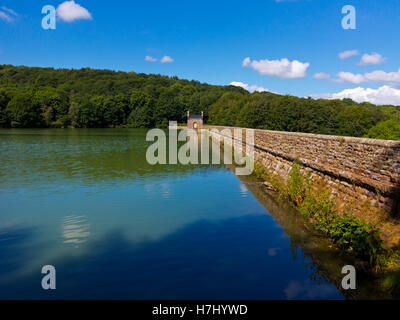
{"x":85,"y":98}
{"x":45,"y":97}
{"x":287,"y":113}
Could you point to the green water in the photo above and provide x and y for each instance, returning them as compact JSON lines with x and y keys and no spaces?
{"x":113,"y":226}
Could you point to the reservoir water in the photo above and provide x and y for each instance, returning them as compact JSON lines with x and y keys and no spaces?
{"x":115,"y":227}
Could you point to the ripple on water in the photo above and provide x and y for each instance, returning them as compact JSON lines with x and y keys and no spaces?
{"x":75,"y":229}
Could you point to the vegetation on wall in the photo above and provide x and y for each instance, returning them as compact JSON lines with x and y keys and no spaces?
{"x":352,"y":235}
{"x":317,"y":204}
{"x":45,"y":97}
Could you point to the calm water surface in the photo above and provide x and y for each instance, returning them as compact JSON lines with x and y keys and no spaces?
{"x":86,"y":202}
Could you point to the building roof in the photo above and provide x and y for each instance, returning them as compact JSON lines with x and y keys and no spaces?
{"x":195,"y":116}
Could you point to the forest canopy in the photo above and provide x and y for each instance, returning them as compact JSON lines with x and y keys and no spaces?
{"x":87,"y":98}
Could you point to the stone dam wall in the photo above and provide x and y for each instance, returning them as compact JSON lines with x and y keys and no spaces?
{"x":357,"y":169}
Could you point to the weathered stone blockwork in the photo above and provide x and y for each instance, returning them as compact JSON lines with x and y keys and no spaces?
{"x":351,"y":166}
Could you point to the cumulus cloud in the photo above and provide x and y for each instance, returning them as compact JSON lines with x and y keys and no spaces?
{"x":7,"y":14}
{"x":250,"y":88}
{"x":380,"y":96}
{"x":373,"y":58}
{"x":322,"y":76}
{"x":374,"y":76}
{"x":166,"y":59}
{"x":347,"y":54}
{"x":283,"y":68}
{"x":70,"y":11}
{"x":350,"y":77}
{"x":356,"y":78}
{"x":150,"y":59}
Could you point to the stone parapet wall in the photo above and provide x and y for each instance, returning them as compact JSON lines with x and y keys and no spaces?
{"x":350,"y":165}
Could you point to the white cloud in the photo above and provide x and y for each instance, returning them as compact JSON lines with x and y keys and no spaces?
{"x":322,"y":76}
{"x":373,"y":58}
{"x":374,"y":76}
{"x":250,"y":88}
{"x":246,"y":62}
{"x":11,"y":11}
{"x":382,"y":76}
{"x":347,"y":54}
{"x":166,"y":59}
{"x":5,"y":17}
{"x":350,"y":77}
{"x":7,"y":14}
{"x":70,"y":11}
{"x":380,"y":96}
{"x":150,"y":59}
{"x":357,"y":78}
{"x":283,"y":68}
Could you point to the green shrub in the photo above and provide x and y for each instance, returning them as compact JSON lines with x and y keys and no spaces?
{"x":317,"y":203}
{"x":297,"y":185}
{"x":320,"y":206}
{"x":356,"y":236}
{"x":391,"y":282}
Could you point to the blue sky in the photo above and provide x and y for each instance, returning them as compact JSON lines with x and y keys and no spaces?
{"x":209,"y":41}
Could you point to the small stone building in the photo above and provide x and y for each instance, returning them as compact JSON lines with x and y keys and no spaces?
{"x":195,"y":121}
